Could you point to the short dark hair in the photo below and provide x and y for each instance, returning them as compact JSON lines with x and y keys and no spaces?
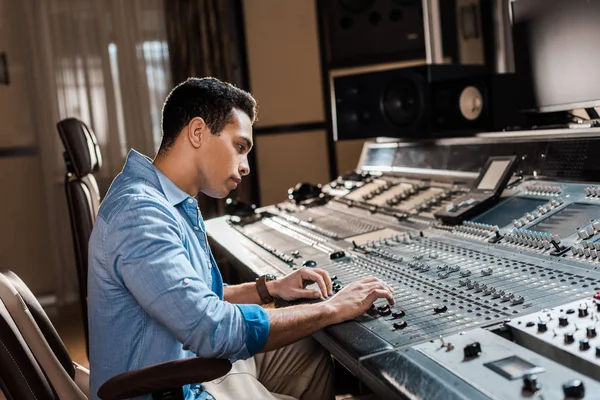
{"x":208,"y":98}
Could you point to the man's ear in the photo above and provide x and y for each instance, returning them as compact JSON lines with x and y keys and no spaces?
{"x":196,"y":131}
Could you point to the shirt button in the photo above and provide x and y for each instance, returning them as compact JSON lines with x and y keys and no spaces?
{"x":196,"y":228}
{"x":209,"y":398}
{"x":190,"y":200}
{"x":186,"y":281}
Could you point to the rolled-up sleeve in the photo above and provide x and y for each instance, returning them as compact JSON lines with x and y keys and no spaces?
{"x":152,"y":262}
{"x":257,"y":326}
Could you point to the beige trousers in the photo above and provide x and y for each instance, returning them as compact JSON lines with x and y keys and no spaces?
{"x":303,"y":370}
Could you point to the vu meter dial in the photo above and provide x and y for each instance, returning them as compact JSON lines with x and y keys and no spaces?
{"x":471,"y":103}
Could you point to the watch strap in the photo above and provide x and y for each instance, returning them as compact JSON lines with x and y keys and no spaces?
{"x":261,"y":288}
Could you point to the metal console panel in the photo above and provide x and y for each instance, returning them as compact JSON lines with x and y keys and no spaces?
{"x":568,"y":334}
{"x":504,"y":370}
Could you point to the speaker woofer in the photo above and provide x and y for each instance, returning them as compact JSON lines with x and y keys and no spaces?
{"x":402,"y":102}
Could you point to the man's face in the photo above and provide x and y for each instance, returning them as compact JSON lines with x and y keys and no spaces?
{"x":223,"y":159}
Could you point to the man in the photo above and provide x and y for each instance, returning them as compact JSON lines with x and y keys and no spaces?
{"x":155,"y":292}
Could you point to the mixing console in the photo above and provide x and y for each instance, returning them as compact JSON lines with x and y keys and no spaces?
{"x":519,"y":279}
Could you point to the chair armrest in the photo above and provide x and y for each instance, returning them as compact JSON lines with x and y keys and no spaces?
{"x":163,"y":376}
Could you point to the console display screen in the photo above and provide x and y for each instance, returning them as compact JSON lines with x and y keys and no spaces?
{"x":566,"y":221}
{"x":509,"y":210}
{"x":379,"y":156}
{"x":513,"y":367}
{"x":493,"y":175}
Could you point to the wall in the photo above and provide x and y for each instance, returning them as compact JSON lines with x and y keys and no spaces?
{"x":284,"y":70}
{"x":24,"y":245}
{"x":285,"y":77}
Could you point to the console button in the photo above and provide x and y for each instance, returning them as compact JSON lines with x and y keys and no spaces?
{"x":472,"y":350}
{"x":530,"y":384}
{"x":400,"y":325}
{"x":574,"y":389}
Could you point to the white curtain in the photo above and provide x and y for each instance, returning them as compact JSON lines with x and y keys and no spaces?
{"x":104,"y":62}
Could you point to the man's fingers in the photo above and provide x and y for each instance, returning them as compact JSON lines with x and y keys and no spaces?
{"x":368,"y":280}
{"x":391,"y":289}
{"x":381,"y":294}
{"x":307,"y":294}
{"x":376,"y":284}
{"x":313,"y":276}
{"x":380,"y":287}
{"x":326,"y":278}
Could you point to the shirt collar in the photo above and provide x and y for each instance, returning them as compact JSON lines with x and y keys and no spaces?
{"x":141,"y":165}
{"x":172,"y":192}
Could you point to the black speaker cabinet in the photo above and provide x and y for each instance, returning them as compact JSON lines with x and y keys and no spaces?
{"x":366,"y":32}
{"x":421,"y":102}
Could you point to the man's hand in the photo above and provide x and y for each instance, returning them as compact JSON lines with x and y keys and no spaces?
{"x":292,"y":286}
{"x":290,"y":324}
{"x":357,"y":297}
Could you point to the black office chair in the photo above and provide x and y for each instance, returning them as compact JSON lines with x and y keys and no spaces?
{"x":36,"y":365}
{"x":20,"y":375}
{"x":82,"y":157}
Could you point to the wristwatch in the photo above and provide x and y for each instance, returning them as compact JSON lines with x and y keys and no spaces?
{"x":261,"y":287}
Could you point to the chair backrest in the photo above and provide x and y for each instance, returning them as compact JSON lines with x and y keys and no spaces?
{"x":42,"y":321}
{"x":20,"y":375}
{"x":82,"y":158}
{"x":40,"y":339}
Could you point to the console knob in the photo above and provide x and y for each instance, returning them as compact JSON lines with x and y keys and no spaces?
{"x":583,"y":312}
{"x":337,"y":254}
{"x":530,"y":384}
{"x":583,"y":234}
{"x":569,"y":338}
{"x":385,"y":312}
{"x":563,"y":321}
{"x":591,"y":331}
{"x":584,"y":344}
{"x":574,"y":389}
{"x":472,"y":350}
{"x":398,"y":314}
{"x":597,"y":351}
{"x":542,"y":327}
{"x":440,"y":309}
{"x":400,"y":325}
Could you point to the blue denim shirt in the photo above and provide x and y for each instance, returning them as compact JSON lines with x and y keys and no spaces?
{"x":155,"y":293}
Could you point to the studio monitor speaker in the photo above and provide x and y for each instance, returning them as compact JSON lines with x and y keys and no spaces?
{"x":367,"y":32}
{"x":375,"y":30}
{"x":418,"y":102}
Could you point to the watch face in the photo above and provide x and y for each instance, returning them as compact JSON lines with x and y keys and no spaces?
{"x":471,"y":103}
